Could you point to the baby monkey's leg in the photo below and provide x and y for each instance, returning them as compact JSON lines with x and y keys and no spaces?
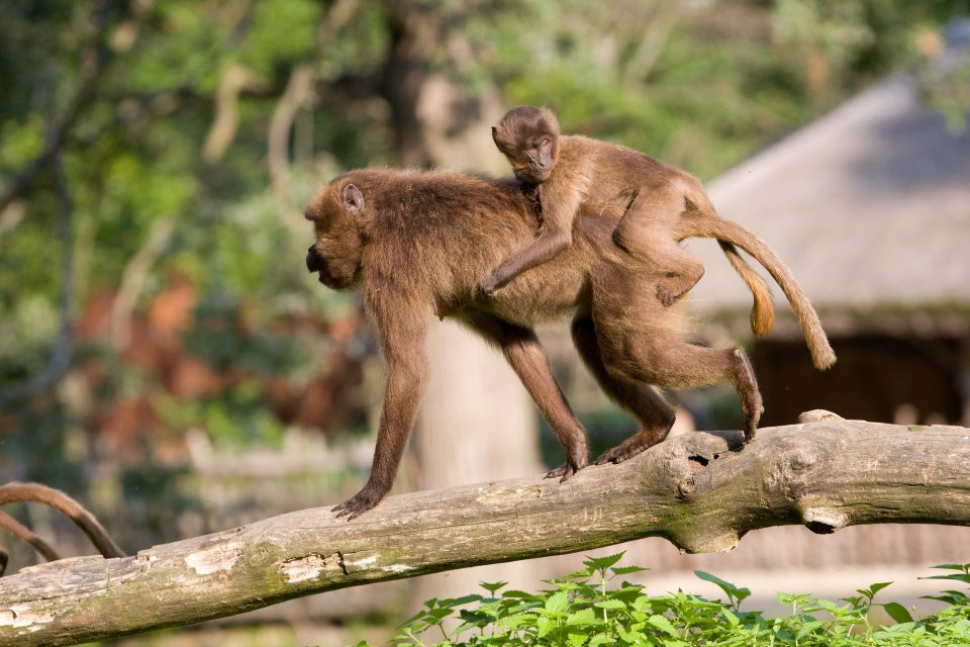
{"x":646,"y":231}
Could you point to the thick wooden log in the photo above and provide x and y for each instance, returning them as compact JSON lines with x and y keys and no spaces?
{"x":701,"y":491}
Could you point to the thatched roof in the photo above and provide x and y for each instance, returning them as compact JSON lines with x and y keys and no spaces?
{"x":869,"y":206}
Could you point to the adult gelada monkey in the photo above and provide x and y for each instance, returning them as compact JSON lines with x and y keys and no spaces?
{"x":572,"y":170}
{"x":418,"y":243}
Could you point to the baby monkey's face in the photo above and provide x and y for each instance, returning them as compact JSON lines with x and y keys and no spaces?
{"x":536,"y":160}
{"x":529,"y":138}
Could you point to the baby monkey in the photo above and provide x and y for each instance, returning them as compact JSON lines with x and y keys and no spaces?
{"x":570,"y":170}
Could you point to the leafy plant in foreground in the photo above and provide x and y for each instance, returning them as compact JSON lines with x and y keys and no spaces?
{"x":595,"y":607}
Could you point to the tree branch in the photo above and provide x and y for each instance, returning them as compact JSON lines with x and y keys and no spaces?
{"x":298,"y":92}
{"x":701,"y":491}
{"x":133,"y":280}
{"x":222,"y":132}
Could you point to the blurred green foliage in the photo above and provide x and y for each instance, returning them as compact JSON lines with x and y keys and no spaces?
{"x":143,"y":87}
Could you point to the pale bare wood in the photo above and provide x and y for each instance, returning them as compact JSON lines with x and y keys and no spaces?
{"x":701,"y":491}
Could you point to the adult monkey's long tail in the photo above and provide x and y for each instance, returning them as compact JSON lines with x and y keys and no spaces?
{"x":697,"y":223}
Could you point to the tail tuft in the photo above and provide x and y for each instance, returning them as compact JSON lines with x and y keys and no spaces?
{"x":823,"y":357}
{"x":762,"y":315}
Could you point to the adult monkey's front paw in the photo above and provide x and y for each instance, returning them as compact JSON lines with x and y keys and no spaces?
{"x":357,"y":504}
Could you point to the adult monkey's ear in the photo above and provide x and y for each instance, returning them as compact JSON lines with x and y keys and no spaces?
{"x":353,"y":199}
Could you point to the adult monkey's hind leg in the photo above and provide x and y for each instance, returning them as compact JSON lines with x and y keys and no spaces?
{"x":655,"y":416}
{"x":639,"y":341}
{"x":524,"y":354}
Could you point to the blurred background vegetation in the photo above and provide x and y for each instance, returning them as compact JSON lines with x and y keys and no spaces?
{"x":155,"y":156}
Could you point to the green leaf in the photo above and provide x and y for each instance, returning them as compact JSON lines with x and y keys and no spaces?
{"x":557,"y":602}
{"x":954,"y":567}
{"x":474,"y":617}
{"x":465,"y":599}
{"x":439,"y":614}
{"x":600,"y":639}
{"x":519,"y":595}
{"x":664,"y":625}
{"x":586,"y":572}
{"x":625,"y":570}
{"x":610,"y":604}
{"x":630,"y":637}
{"x":544,"y":625}
{"x":517,"y":620}
{"x":878,"y":586}
{"x":827,"y":605}
{"x":855,"y":601}
{"x":584,"y":617}
{"x":732,"y":591}
{"x":808,"y":628}
{"x":577,"y":640}
{"x":492,"y":587}
{"x":950,"y":597}
{"x":956,"y":577}
{"x":603,"y":563}
{"x":897,"y":612}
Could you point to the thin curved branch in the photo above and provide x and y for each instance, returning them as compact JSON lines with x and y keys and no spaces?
{"x":26,"y":535}
{"x":82,"y":518}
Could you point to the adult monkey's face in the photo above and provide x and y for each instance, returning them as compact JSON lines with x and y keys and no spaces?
{"x":336,"y":213}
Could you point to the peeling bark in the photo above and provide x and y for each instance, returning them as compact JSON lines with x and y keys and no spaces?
{"x":702,"y":491}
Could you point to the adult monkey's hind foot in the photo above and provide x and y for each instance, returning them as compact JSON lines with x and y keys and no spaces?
{"x":565,"y":472}
{"x":632,"y":446}
{"x":747,"y":385}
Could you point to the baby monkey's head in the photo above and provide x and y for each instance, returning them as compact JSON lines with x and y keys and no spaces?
{"x":529,"y":138}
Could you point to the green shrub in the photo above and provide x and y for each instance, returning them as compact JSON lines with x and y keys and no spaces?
{"x":588,"y":609}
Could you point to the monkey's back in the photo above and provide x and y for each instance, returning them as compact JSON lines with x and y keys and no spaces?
{"x":613,"y":168}
{"x":440,"y":232}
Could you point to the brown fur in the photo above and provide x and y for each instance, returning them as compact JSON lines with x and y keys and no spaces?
{"x":417,"y":244}
{"x":35,"y":492}
{"x":571,"y":171}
